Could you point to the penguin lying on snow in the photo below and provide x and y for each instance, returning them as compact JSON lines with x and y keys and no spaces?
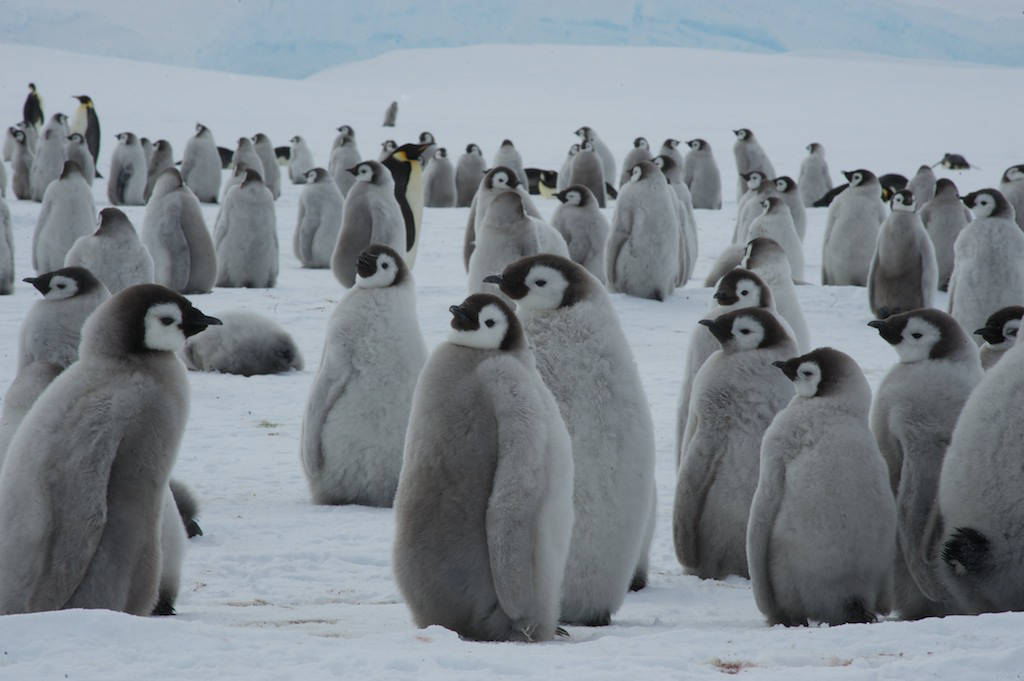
{"x":247,"y":344}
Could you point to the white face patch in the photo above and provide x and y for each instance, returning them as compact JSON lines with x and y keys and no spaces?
{"x":856,"y":179}
{"x":901,"y":204}
{"x":919,"y":337}
{"x":61,"y":287}
{"x":808,"y":376}
{"x":311,"y":176}
{"x":643,"y":144}
{"x":499,"y":180}
{"x":658,"y":161}
{"x":755,"y":180}
{"x":984,"y":204}
{"x":747,"y":333}
{"x":766,"y":205}
{"x":1014,"y":174}
{"x":365,"y":174}
{"x":636,"y":174}
{"x":587,"y":146}
{"x":1010,"y":329}
{"x":493,"y":326}
{"x":742,"y":134}
{"x":427,"y":138}
{"x":387,"y":270}
{"x":547,"y":288}
{"x":163,"y":328}
{"x":296,"y":139}
{"x":781,"y":185}
{"x":574,"y":198}
{"x":748,"y":292}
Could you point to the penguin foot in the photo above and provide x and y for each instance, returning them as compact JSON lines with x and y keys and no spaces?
{"x":164,"y":608}
{"x":855,"y":613}
{"x":967,"y":552}
{"x":193,"y":529}
{"x":639,"y":581}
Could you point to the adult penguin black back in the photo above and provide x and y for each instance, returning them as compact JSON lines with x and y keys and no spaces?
{"x":404,"y":164}
{"x":32,"y":111}
{"x":87,"y":123}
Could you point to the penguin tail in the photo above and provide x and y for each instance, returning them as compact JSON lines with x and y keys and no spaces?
{"x":188,"y":508}
{"x":967,"y":552}
{"x":98,"y":174}
{"x":611,"y":191}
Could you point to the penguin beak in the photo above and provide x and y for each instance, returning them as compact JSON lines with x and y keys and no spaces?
{"x":366,"y":265}
{"x":38,"y":282}
{"x":462,"y":319}
{"x":848,"y":175}
{"x":887,"y":331}
{"x":969,"y":199}
{"x":726,"y":298}
{"x":721,"y":333}
{"x":561,"y":196}
{"x":354,"y":170}
{"x":786,"y":368}
{"x":195,"y":321}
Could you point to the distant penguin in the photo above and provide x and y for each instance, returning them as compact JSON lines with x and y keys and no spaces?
{"x":344,"y":155}
{"x":1011,"y":184}
{"x":584,"y":358}
{"x":766,"y":258}
{"x":903,"y":274}
{"x":387,"y":147}
{"x":912,"y":417}
{"x":508,"y":156}
{"x":245,"y":236}
{"x":643,"y":249}
{"x":147,"y":149}
{"x":670,"y":148}
{"x":354,"y":426}
{"x":640,"y":151}
{"x":954,"y":162}
{"x":587,"y":134}
{"x":922,"y":185}
{"x":371,"y":216}
{"x":390,"y":115}
{"x":439,"y":181}
{"x":822,"y":531}
{"x":271,"y":174}
{"x":427,"y":155}
{"x":175,"y":234}
{"x":587,"y":169}
{"x":245,"y":153}
{"x":86,"y":122}
{"x":988,"y":266}
{"x":564,"y":171}
{"x":543,"y":182}
{"x":321,"y":207}
{"x":161,"y":160}
{"x":759,"y":187}
{"x":815,"y":180}
{"x":749,"y":156}
{"x":701,"y":175}
{"x":493,"y":183}
{"x":127,"y":182}
{"x":6,"y":251}
{"x":67,"y":213}
{"x":21,"y":165}
{"x":688,"y":246}
{"x":28,"y":384}
{"x":301,"y":160}
{"x":247,"y":344}
{"x":92,"y":460}
{"x":584,"y":228}
{"x":32,"y":109}
{"x":979,"y":543}
{"x":200,"y":166}
{"x":485,"y":430}
{"x":113,"y":253}
{"x":790,"y":195}
{"x":851,"y":230}
{"x":78,"y":153}
{"x":468,"y":173}
{"x":776,"y":223}
{"x":53,"y":325}
{"x":407,"y":174}
{"x":48,"y":162}
{"x":736,"y":394}
{"x":1000,"y":333}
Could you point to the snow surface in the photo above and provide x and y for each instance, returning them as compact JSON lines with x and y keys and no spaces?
{"x":280,"y":589}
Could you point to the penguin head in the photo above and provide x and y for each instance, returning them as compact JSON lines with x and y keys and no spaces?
{"x":379,"y":267}
{"x":113,"y":220}
{"x":763,"y":252}
{"x":388,"y":146}
{"x":742,"y":288}
{"x":441,"y":152}
{"x":315,"y":175}
{"x":296,"y":140}
{"x":858,"y":178}
{"x":945,"y":187}
{"x":575,"y":195}
{"x":587,"y":146}
{"x":543,"y":282}
{"x":1002,"y":325}
{"x":59,"y":118}
{"x":743,"y":134}
{"x":168,"y":181}
{"x":784,"y":184}
{"x":485,"y":322}
{"x":954,"y":162}
{"x":1014,"y":173}
{"x":473,"y":150}
{"x":84,"y":100}
{"x":824,"y":372}
{"x":426,"y":138}
{"x":244,"y":143}
{"x":584,"y":132}
{"x":347,"y":131}
{"x":754,"y":179}
{"x":18,"y":135}
{"x":924,"y":334}
{"x":664,"y":163}
{"x":698,"y":144}
{"x":986,"y":203}
{"x":643,"y":171}
{"x":202,"y":130}
{"x":409,"y":153}
{"x":32,"y":87}
{"x":814,"y":148}
{"x":260,"y":138}
{"x":368,"y":171}
{"x":501,"y":177}
{"x":64,"y":283}
{"x":252,"y":178}
{"x":903,"y":201}
{"x":70,"y":169}
{"x":75,"y":138}
{"x":573,"y":150}
{"x":641,"y":143}
{"x":746,"y":329}
{"x":771,"y":204}
{"x":507,"y":143}
{"x":127,"y":138}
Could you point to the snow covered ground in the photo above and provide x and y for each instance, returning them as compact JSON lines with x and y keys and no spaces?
{"x":278,"y":588}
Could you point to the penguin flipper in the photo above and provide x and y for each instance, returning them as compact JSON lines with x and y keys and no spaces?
{"x":330,"y":384}
{"x":124,"y":176}
{"x":611,"y":191}
{"x":188,"y":507}
{"x":764,"y":508}
{"x":469,"y":239}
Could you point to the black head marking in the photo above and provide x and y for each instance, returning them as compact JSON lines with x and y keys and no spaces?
{"x":319,"y":175}
{"x":132,"y":303}
{"x":640,"y":142}
{"x":667,"y":163}
{"x":70,"y":168}
{"x":466,"y":317}
{"x":952,"y":338}
{"x":507,"y":143}
{"x":367,"y":263}
{"x":992,"y":332}
{"x":1002,"y":206}
{"x":251,"y":177}
{"x":513,"y":179}
{"x":834,"y":366}
{"x":84,"y":278}
{"x":787,"y":182}
{"x":734,"y":285}
{"x":906,"y":196}
{"x":946,"y":187}
{"x":472,"y":148}
{"x":426,"y":137}
{"x":512,"y":280}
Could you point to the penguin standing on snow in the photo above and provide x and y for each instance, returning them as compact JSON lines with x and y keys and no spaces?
{"x":468,"y":173}
{"x":749,"y":156}
{"x":201,"y":166}
{"x":32,"y":109}
{"x":113,"y":253}
{"x":52,"y":328}
{"x":127,"y":183}
{"x":407,"y":173}
{"x":371,"y":216}
{"x":903,"y":274}
{"x":321,"y":207}
{"x":85,"y":122}
{"x":701,"y":175}
{"x":814,"y":180}
{"x":851,"y":230}
{"x":584,"y":228}
{"x":439,"y":181}
{"x":640,"y":151}
{"x":944,"y":217}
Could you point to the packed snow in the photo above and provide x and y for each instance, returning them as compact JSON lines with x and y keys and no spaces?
{"x":278,"y":588}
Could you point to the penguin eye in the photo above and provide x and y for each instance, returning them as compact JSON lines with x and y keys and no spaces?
{"x":167,"y":321}
{"x":541,"y":283}
{"x":489,"y":323}
{"x":744,"y":331}
{"x":1011,"y":332}
{"x":744,"y":292}
{"x":384,"y":265}
{"x":61,"y":286}
{"x":806,"y":373}
{"x":915,"y":335}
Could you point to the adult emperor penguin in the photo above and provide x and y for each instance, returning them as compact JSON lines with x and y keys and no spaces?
{"x":736,"y":393}
{"x":508,"y":156}
{"x":766,"y":258}
{"x":776,"y":223}
{"x":407,"y":174}
{"x":76,"y":151}
{"x":1011,"y":184}
{"x":468,"y":172}
{"x":979,"y":542}
{"x":815,"y":180}
{"x":66,"y":214}
{"x":988,"y":273}
{"x":113,"y":253}
{"x":912,"y":417}
{"x":640,"y":151}
{"x":321,"y":207}
{"x":903,"y":274}
{"x":344,"y":155}
{"x":21,"y":165}
{"x":32,"y":109}
{"x":563,"y":173}
{"x":583,"y":356}
{"x":821,"y":536}
{"x":588,"y":170}
{"x":245,"y":236}
{"x":271,"y":174}
{"x":200,"y":166}
{"x":175,"y":234}
{"x":851,"y":230}
{"x":246,"y":344}
{"x":587,"y":134}
{"x":1000,"y":333}
{"x":127,"y":183}
{"x":85,"y":122}
{"x":701,"y":175}
{"x":790,"y":195}
{"x":161,"y":160}
{"x":92,"y":460}
{"x":48,"y":162}
{"x":494,"y":182}
{"x":53,"y":326}
{"x":354,"y":426}
{"x":749,"y":156}
{"x":439,"y":181}
{"x":922,"y":185}
{"x":584,"y":228}
{"x":371,"y":216}
{"x":484,"y":429}
{"x":944,"y":217}
{"x":300,"y":161}
{"x":6,"y":251}
{"x":644,"y":246}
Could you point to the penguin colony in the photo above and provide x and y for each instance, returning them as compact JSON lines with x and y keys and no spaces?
{"x":494,"y":448}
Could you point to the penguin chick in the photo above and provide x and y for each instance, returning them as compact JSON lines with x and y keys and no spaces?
{"x":1011,"y":184}
{"x":6,"y":251}
{"x":245,"y":236}
{"x":161,"y":160}
{"x":113,"y":253}
{"x":21,"y":165}
{"x":26,"y":388}
{"x":300,"y":160}
{"x":67,"y":213}
{"x":78,"y":153}
{"x":53,"y":326}
{"x":640,"y":151}
{"x":776,"y":223}
{"x":584,"y":228}
{"x":563,"y":172}
{"x":493,"y":183}
{"x":851,"y":230}
{"x":247,"y":344}
{"x":200,"y":166}
{"x":321,"y":208}
{"x":815,"y":180}
{"x":371,"y":216}
{"x":509,"y":157}
{"x":587,"y":169}
{"x":271,"y":174}
{"x":175,"y":234}
{"x":587,"y":134}
{"x":903,"y":274}
{"x":749,"y":157}
{"x":468,"y":171}
{"x":944,"y":217}
{"x":759,"y":187}
{"x":789,"y":192}
{"x":127,"y":183}
{"x":344,"y":155}
{"x":48,"y":161}
{"x":922,"y":185}
{"x":766,"y":258}
{"x":439,"y":181}
{"x":701,"y":175}
{"x":1000,"y":333}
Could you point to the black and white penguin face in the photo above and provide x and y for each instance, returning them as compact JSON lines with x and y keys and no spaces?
{"x":363,"y":172}
{"x":474,"y":150}
{"x":426,"y":138}
{"x":573,"y":150}
{"x":697,"y":144}
{"x":903,"y":200}
{"x":587,"y":146}
{"x":859,"y":177}
{"x":987,"y":203}
{"x":544,"y":287}
{"x":388,"y":146}
{"x":784,"y":184}
{"x":636,"y":174}
{"x":754,"y":179}
{"x":296,"y":140}
{"x":127,"y":138}
{"x":1002,"y":325}
{"x":315,"y":175}
{"x":64,"y":283}
{"x":770,"y":204}
{"x":200,"y":129}
{"x":441,"y":153}
{"x":346,"y":130}
{"x":18,"y":135}
{"x":742,"y":134}
{"x":482,"y":321}
{"x":912,"y":336}
{"x":166,"y":325}
{"x":583,"y":133}
{"x":75,"y":138}
{"x":739,"y":333}
{"x":573,"y":197}
{"x":502,"y":178}
{"x":806,"y":379}
{"x":659,"y":161}
{"x":1014,"y":174}
{"x":641,"y":143}
{"x":379,"y":267}
{"x":741,"y":288}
